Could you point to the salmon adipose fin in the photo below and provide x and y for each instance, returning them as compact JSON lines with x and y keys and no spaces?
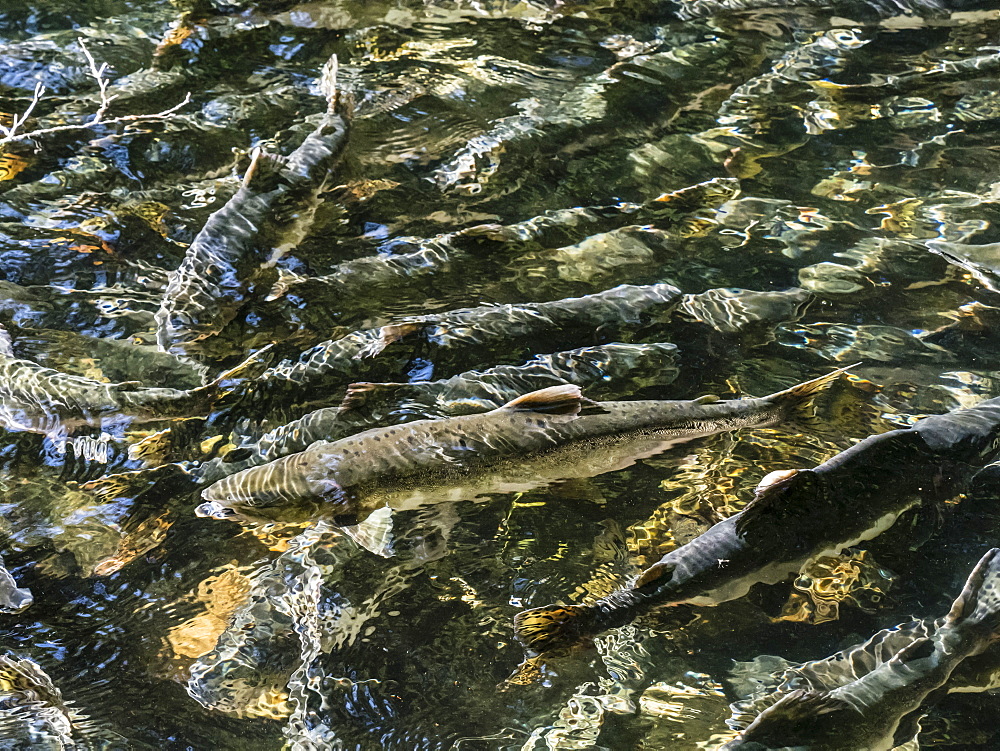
{"x":555,"y":627}
{"x":797,"y":402}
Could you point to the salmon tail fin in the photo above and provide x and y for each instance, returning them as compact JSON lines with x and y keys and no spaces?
{"x":223,"y":387}
{"x":554,"y":627}
{"x":328,"y":82}
{"x":264,"y":172}
{"x":387,"y":335}
{"x":131,"y":483}
{"x":798,"y":401}
{"x":339,"y":101}
{"x":977,"y":608}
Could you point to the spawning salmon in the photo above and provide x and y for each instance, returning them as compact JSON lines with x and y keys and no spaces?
{"x":851,"y":497}
{"x":37,"y":399}
{"x":539,"y":437}
{"x":882,"y":707}
{"x":220,"y":268}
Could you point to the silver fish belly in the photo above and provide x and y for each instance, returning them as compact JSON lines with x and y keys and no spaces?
{"x":851,"y":497}
{"x":368,"y":405}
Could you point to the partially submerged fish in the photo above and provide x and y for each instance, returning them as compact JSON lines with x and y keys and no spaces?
{"x":13,"y":599}
{"x":539,"y":437}
{"x":796,"y":516}
{"x":472,"y":391}
{"x":33,"y":713}
{"x":881,"y":708}
{"x":878,"y":9}
{"x":509,"y":328}
{"x":219,"y":270}
{"x":457,"y":253}
{"x":37,"y":399}
{"x":116,"y":359}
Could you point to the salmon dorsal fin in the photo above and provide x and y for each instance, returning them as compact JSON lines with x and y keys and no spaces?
{"x":778,"y":499}
{"x":554,"y":400}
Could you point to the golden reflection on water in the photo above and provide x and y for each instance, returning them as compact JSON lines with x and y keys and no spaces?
{"x":852,"y":577}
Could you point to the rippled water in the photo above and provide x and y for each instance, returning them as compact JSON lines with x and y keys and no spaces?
{"x":864,"y":149}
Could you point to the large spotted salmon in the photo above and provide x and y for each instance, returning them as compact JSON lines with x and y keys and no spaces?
{"x":367,"y":405}
{"x":540,"y":437}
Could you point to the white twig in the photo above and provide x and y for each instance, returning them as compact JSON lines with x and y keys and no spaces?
{"x":102,"y":82}
{"x":18,"y":120}
{"x":113,"y":121}
{"x":97,"y":72}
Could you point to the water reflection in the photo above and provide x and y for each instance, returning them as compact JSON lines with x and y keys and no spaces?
{"x":824,"y":175}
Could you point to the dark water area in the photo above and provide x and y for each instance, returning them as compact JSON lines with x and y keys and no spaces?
{"x":831,"y":184}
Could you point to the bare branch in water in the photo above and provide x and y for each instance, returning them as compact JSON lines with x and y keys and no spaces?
{"x":98,"y":74}
{"x":18,"y":120}
{"x":10,"y":133}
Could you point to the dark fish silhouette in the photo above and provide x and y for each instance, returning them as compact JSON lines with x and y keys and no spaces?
{"x":37,"y":399}
{"x":13,"y":599}
{"x":854,"y":496}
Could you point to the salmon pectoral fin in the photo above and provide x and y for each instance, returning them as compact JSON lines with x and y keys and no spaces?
{"x":554,"y":400}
